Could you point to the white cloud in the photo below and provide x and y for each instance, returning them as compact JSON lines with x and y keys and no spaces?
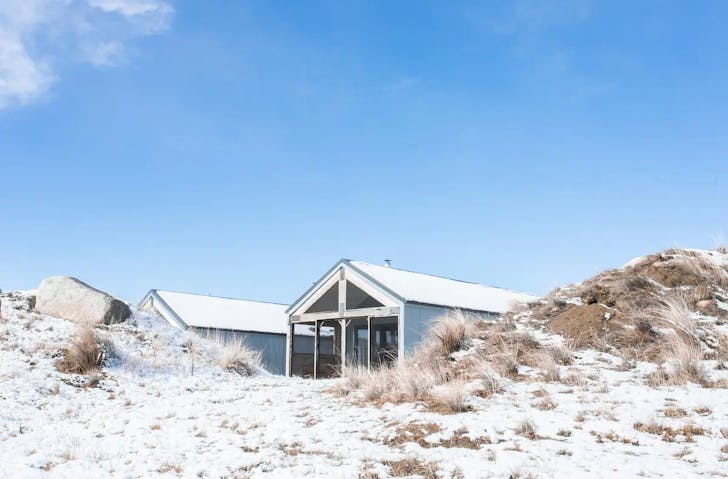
{"x":106,"y":54}
{"x":36,"y":35}
{"x":152,"y":15}
{"x":22,"y":78}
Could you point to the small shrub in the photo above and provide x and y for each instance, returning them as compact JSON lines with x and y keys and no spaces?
{"x":83,"y":355}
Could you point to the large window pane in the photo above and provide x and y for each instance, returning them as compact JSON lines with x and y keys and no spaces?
{"x":302,"y":355}
{"x":356,"y":298}
{"x":357,"y":343}
{"x":385,"y":340}
{"x":328,"y":303}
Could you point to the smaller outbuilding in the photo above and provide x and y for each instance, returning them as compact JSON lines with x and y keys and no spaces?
{"x":262,"y":326}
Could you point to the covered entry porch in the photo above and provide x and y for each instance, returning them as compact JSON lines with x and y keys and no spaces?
{"x":322,"y":348}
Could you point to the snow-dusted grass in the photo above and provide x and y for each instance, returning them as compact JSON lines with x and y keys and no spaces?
{"x":236,"y":356}
{"x":163,"y":409}
{"x":83,"y":355}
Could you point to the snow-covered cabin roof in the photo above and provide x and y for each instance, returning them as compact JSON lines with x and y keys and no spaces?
{"x":436,"y":290}
{"x":201,"y":311}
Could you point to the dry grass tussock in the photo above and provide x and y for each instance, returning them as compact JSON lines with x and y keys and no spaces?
{"x":412,"y":466}
{"x":504,"y":351}
{"x":448,"y":334}
{"x":427,"y":376}
{"x":682,"y":364}
{"x":405,"y":381}
{"x":674,"y":313}
{"x":235,"y":355}
{"x":83,"y":355}
{"x":431,"y":376}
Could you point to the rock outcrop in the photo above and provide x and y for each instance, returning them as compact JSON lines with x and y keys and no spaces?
{"x":71,"y":299}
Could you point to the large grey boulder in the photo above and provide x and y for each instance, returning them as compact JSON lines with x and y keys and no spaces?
{"x":71,"y":299}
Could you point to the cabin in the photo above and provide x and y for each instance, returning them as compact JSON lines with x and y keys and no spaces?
{"x":262,"y":326}
{"x":364,"y":315}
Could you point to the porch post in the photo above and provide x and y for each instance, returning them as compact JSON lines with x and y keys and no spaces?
{"x":316,"y":348}
{"x":369,"y":342}
{"x":289,"y":350}
{"x":343,"y":345}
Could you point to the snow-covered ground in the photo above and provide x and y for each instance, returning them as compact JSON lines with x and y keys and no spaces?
{"x":154,"y":414}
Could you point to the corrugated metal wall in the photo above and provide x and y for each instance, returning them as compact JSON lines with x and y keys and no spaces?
{"x":271,"y":346}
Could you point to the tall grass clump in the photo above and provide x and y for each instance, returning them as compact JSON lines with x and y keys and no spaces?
{"x":235,"y":355}
{"x":83,"y":355}
{"x":448,"y":334}
{"x":674,"y":313}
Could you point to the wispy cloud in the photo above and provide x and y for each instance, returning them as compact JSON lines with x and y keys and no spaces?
{"x":38,"y":35}
{"x":533,"y":29}
{"x":531,"y":16}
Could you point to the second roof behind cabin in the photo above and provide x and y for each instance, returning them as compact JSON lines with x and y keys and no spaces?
{"x":201,"y":311}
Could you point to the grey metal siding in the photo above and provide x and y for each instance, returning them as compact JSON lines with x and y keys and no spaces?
{"x":417,"y":321}
{"x":420,"y":317}
{"x":272,"y":346}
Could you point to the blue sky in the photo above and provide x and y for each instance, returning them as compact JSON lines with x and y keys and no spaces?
{"x":240,"y":148}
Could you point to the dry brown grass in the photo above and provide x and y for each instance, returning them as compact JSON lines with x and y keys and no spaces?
{"x":675,"y":412}
{"x":451,"y":397}
{"x":611,"y":436}
{"x":683,"y":358}
{"x":668,"y":433}
{"x":661,"y":291}
{"x":448,"y":334}
{"x":406,"y":381}
{"x":527,"y":429}
{"x":413,"y":432}
{"x":546,"y":404}
{"x":167,"y":467}
{"x":83,"y":355}
{"x":235,"y":355}
{"x":417,"y":433}
{"x":674,"y":313}
{"x":412,"y":466}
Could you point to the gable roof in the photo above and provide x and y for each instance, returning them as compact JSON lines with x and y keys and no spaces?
{"x":202,"y":311}
{"x":409,"y":286}
{"x":437,"y":290}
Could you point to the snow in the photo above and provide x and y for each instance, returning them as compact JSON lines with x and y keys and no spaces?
{"x":160,"y":411}
{"x":425,"y":288}
{"x":634,"y":262}
{"x":225,"y":313}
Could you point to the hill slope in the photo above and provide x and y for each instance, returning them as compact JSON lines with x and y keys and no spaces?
{"x":506,"y":399}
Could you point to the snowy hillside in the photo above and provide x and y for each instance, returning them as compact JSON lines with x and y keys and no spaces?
{"x":162,"y":406}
